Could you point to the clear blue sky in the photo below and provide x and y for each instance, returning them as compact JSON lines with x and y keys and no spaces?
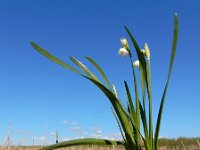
{"x":39,"y":98}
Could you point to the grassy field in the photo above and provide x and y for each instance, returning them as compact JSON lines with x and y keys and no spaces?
{"x":178,"y":147}
{"x":69,"y":148}
{"x":164,"y":144}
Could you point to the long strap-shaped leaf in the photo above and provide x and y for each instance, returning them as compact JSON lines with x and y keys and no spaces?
{"x":144,"y":121}
{"x":137,"y":102}
{"x":118,"y":109}
{"x":137,"y":129}
{"x":116,"y":104}
{"x":84,"y":68}
{"x":136,"y":95}
{"x":142,"y":72}
{"x":139,"y":54}
{"x":119,"y":125}
{"x":174,"y":45}
{"x":53,"y":58}
{"x":100,"y":71}
{"x":133,"y":115}
{"x":87,"y":141}
{"x":130,"y":102}
{"x":149,"y":91}
{"x":143,"y":85}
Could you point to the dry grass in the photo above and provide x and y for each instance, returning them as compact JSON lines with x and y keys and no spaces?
{"x":69,"y":148}
{"x":180,"y":143}
{"x":188,"y":147}
{"x":19,"y":148}
{"x":94,"y":148}
{"x":164,"y":144}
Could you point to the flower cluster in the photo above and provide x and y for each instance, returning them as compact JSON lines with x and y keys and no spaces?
{"x":125,"y":48}
{"x":126,"y":51}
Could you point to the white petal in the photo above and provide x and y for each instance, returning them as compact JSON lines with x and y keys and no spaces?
{"x":124,"y":42}
{"x":136,"y":63}
{"x":123,"y":52}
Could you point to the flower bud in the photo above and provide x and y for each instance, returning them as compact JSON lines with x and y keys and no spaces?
{"x":114,"y":90}
{"x":124,"y":42}
{"x":143,"y":51}
{"x":147,"y":51}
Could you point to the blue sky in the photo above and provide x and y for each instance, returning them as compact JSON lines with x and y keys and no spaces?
{"x":39,"y":98}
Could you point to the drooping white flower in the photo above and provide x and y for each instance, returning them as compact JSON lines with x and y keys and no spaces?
{"x":147,"y":51}
{"x":123,"y":51}
{"x":136,"y":63}
{"x":124,"y":42}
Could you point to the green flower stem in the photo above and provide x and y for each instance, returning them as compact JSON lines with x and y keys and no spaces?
{"x":137,"y":100}
{"x":149,"y":90}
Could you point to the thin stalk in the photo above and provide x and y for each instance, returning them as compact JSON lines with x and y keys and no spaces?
{"x":183,"y":145}
{"x":198,"y":143}
{"x":143,"y":84}
{"x":137,"y":100}
{"x":150,"y":103}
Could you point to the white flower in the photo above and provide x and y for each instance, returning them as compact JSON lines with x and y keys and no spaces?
{"x":136,"y":63}
{"x":123,"y":52}
{"x":124,"y":42}
{"x":147,"y":51}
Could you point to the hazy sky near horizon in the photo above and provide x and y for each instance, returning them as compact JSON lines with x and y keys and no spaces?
{"x":39,"y":97}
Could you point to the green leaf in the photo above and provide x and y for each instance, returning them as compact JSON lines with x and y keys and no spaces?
{"x":173,"y":52}
{"x":144,"y":121}
{"x":130,"y":102}
{"x":122,"y":115}
{"x":143,"y":84}
{"x":84,"y":68}
{"x":149,"y":91}
{"x":131,"y":144}
{"x":87,"y":141}
{"x":138,"y":130}
{"x":100,"y":71}
{"x":119,"y":125}
{"x":139,"y":54}
{"x":116,"y":104}
{"x":136,"y":99}
{"x":53,"y":58}
{"x":142,"y":68}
